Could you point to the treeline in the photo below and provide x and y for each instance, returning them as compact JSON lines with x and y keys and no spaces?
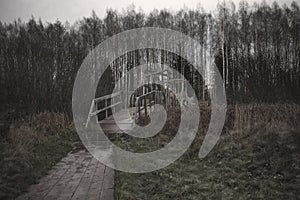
{"x":256,"y":48}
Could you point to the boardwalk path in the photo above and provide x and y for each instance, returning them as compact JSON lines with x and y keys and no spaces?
{"x":77,"y":176}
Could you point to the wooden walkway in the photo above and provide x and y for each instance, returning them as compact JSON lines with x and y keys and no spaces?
{"x":124,"y":119}
{"x":77,"y":176}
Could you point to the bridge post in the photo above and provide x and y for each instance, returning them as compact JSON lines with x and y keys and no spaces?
{"x":105,"y":107}
{"x":145,"y":104}
{"x":113,"y":110}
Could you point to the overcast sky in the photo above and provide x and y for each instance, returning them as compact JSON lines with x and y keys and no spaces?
{"x":72,"y":10}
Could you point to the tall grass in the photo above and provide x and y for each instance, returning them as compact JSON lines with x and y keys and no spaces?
{"x":251,"y":115}
{"x":32,"y":145}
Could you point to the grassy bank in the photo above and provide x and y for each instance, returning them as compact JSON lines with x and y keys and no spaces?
{"x":30,"y":147}
{"x":257,"y":157}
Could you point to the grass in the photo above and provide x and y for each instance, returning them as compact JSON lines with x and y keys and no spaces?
{"x":259,"y":161}
{"x":257,"y":156}
{"x":30,"y":148}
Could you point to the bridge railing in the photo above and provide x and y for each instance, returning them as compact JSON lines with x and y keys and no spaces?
{"x":106,"y":104}
{"x":146,"y":100}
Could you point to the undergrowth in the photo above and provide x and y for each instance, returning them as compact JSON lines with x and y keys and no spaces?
{"x":30,"y":148}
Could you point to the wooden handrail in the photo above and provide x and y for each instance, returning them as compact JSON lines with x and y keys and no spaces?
{"x":109,"y":96}
{"x":143,"y":95}
{"x":106,"y":107}
{"x":144,"y":107}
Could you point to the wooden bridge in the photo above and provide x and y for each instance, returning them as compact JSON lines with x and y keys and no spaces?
{"x":79,"y":175}
{"x":139,"y":105}
{"x":139,"y":102}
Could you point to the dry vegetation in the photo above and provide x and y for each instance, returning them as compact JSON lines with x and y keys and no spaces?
{"x":30,"y":148}
{"x":257,"y":157}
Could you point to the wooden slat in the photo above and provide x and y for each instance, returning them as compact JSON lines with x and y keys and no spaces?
{"x":103,"y":109}
{"x":109,"y":96}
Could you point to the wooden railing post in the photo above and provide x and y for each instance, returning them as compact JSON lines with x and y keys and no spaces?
{"x":105,"y":104}
{"x":145,"y":105}
{"x":112,"y":103}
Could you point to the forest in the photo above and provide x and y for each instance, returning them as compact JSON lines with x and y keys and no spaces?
{"x":256,"y":48}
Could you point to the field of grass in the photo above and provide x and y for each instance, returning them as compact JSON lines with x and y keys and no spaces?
{"x":30,"y":148}
{"x":257,"y":157}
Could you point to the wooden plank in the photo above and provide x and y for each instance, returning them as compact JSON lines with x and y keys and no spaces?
{"x":95,"y":188}
{"x":108,"y":178}
{"x":107,"y":194}
{"x":84,"y":185}
{"x":72,"y":184}
{"x":39,"y":191}
{"x":64,"y":181}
